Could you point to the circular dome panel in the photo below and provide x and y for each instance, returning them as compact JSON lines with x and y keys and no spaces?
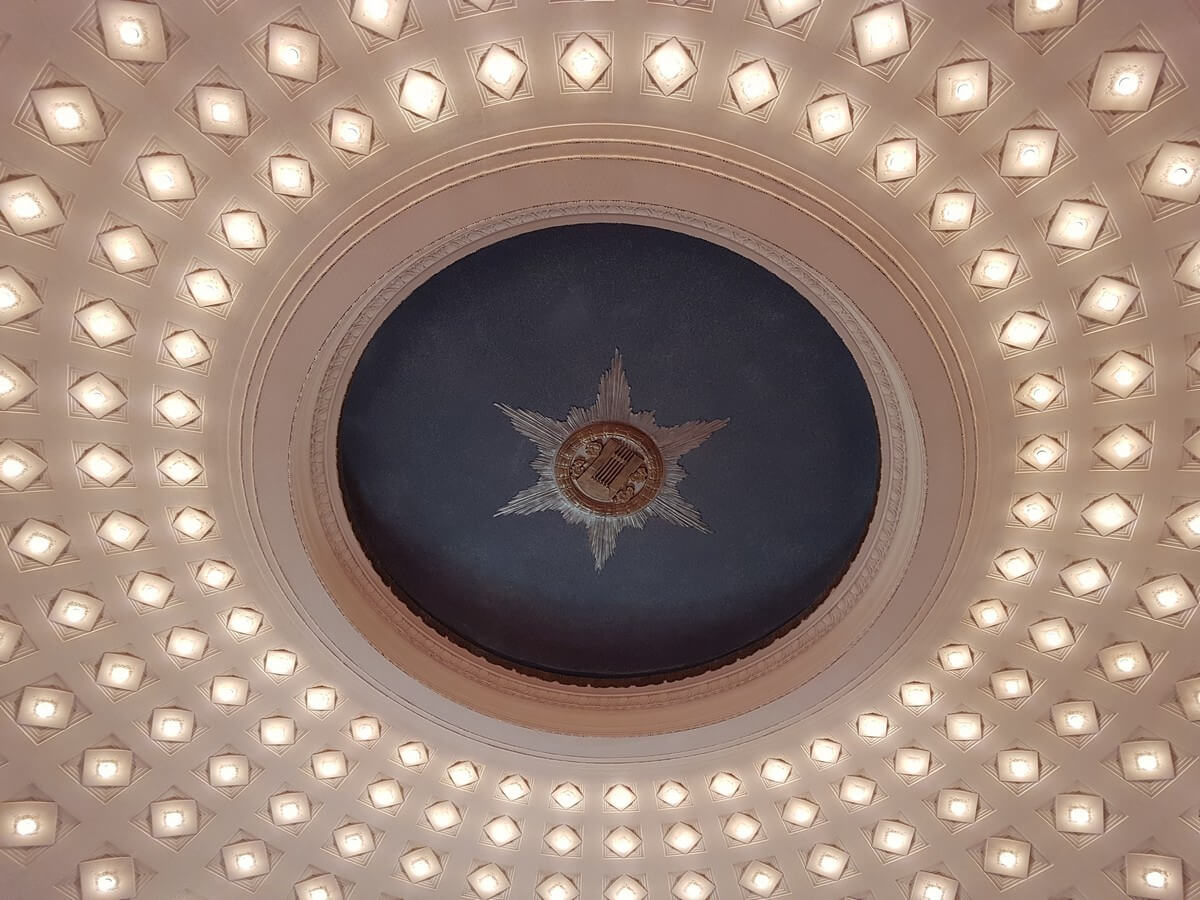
{"x":504,"y":473}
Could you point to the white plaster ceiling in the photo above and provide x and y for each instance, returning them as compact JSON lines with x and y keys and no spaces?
{"x":1136,"y":774}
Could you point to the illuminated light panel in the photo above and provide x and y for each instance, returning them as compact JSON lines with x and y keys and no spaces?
{"x":1107,"y":300}
{"x":74,"y":609}
{"x":856,"y":789}
{"x":753,"y":86}
{"x":1075,"y":717}
{"x":952,"y":211}
{"x":827,"y":861}
{"x":385,"y":793}
{"x":463,"y":774}
{"x":622,"y":842}
{"x":221,"y":111}
{"x":105,"y":323}
{"x":180,"y":468}
{"x":1032,"y":510}
{"x":166,"y":176}
{"x":242,"y":620}
{"x":293,"y":53}
{"x":351,"y":131}
{"x":187,"y":643}
{"x":825,"y":751}
{"x":69,"y":115}
{"x":291,"y":176}
{"x":562,"y":839}
{"x":964,"y":726}
{"x":277,"y":731}
{"x":233,"y":770}
{"x":916,"y":694}
{"x":1146,"y":760}
{"x":187,"y":348}
{"x":365,"y":728}
{"x":383,"y":17}
{"x":1122,"y":446}
{"x":1167,"y":596}
{"x":172,"y":725}
{"x":18,"y":299}
{"x":670,"y":66}
{"x":39,"y":541}
{"x":1023,"y":330}
{"x":245,"y":859}
{"x":830,"y":117}
{"x":107,"y":878}
{"x":1075,"y":225}
{"x":994,"y":269}
{"x":1028,"y":153}
{"x":557,"y":886}
{"x":989,"y":613}
{"x":174,"y":818}
{"x":724,"y":785}
{"x":194,"y":524}
{"x":800,"y":812}
{"x":1124,"y":662}
{"x":177,"y":408}
{"x":1079,"y":814}
{"x":443,"y":816}
{"x":1174,"y":173}
{"x":896,"y":160}
{"x":891,"y":836}
{"x":1049,"y":635}
{"x":19,"y":466}
{"x":127,"y":249}
{"x":692,"y":886}
{"x":502,"y":830}
{"x":955,"y":657}
{"x":488,"y":881}
{"x":1109,"y":514}
{"x":1018,"y":766}
{"x":783,"y":12}
{"x":625,"y":887}
{"x":29,"y":206}
{"x":422,"y":94}
{"x":120,"y":671}
{"x":760,"y":878}
{"x":106,"y":767}
{"x":1011,"y":684}
{"x":501,"y":71}
{"x":672,"y":794}
{"x":243,"y":230}
{"x":1007,"y":856}
{"x":912,"y":761}
{"x":45,"y":707}
{"x":132,"y":31}
{"x":880,"y":33}
{"x":620,"y":797}
{"x":1154,"y":876}
{"x":1038,"y":391}
{"x":230,"y":690}
{"x":28,"y":823}
{"x":413,"y":755}
{"x":742,"y":828}
{"x":353,"y":840}
{"x":513,"y":788}
{"x":1125,"y":81}
{"x":421,"y":864}
{"x":682,"y":837}
{"x":955,"y":805}
{"x":208,"y":287}
{"x":772,"y":771}
{"x":585,"y":61}
{"x":1184,"y":524}
{"x":1043,"y":15}
{"x":97,"y":394}
{"x":1042,"y":452}
{"x":122,"y":530}
{"x":963,"y":87}
{"x":1085,"y":577}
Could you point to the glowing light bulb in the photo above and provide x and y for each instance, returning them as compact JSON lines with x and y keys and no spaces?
{"x":672,"y":796}
{"x":897,"y":160}
{"x":353,"y":843}
{"x":26,"y":826}
{"x":1077,"y":227}
{"x":1108,"y":300}
{"x":67,"y":116}
{"x":1125,"y":663}
{"x":38,"y":543}
{"x":761,"y":880}
{"x":1046,"y":5}
{"x":1007,"y":859}
{"x":959,"y":806}
{"x":957,"y":659}
{"x":106,"y":882}
{"x":1040,"y":394}
{"x":290,"y":55}
{"x":989,"y":615}
{"x":107,"y":769}
{"x":207,"y":289}
{"x":26,"y":206}
{"x":964,"y":90}
{"x":221,"y":112}
{"x":1168,"y":598}
{"x":243,"y":230}
{"x":488,"y":883}
{"x":831,"y":119}
{"x":693,"y":890}
{"x":376,"y":9}
{"x":171,"y":727}
{"x":330,"y":768}
{"x":584,"y":62}
{"x":1180,"y":175}
{"x":933,"y":892}
{"x":364,"y":731}
{"x":880,"y":33}
{"x":1020,"y":768}
{"x":1155,"y":878}
{"x":1043,"y":455}
{"x":318,"y":893}
{"x":130,"y":33}
{"x":755,"y":85}
{"x":1193,"y":524}
{"x":172,"y":818}
{"x":1029,"y":155}
{"x":289,"y":810}
{"x":8,"y":297}
{"x":1146,"y":761}
{"x":291,"y":177}
{"x":1075,"y":720}
{"x":995,"y":271}
{"x":1012,"y":686}
{"x":164,"y":180}
{"x":1123,"y":448}
{"x":626,"y":893}
{"x":125,"y":251}
{"x":350,"y":133}
{"x":955,"y":211}
{"x":827,"y":863}
{"x":501,"y":68}
{"x":1079,"y":815}
{"x":669,"y":64}
{"x":1126,"y":84}
{"x":244,"y":861}
{"x":227,"y":771}
{"x":420,"y":867}
{"x":120,"y":673}
{"x":12,"y":467}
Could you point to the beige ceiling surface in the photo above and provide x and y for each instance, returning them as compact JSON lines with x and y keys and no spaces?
{"x":168,"y":728}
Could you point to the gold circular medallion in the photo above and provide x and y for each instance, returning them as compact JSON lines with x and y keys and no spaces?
{"x":609,"y":469}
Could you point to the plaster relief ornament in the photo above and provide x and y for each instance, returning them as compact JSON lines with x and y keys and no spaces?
{"x":607,"y":467}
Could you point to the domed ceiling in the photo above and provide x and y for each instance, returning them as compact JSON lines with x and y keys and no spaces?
{"x":427,"y":459}
{"x":936,"y":262}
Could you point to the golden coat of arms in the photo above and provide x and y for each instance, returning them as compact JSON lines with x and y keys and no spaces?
{"x":608,"y":467}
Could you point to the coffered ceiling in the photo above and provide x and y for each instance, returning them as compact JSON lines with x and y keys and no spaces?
{"x":171,"y":726}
